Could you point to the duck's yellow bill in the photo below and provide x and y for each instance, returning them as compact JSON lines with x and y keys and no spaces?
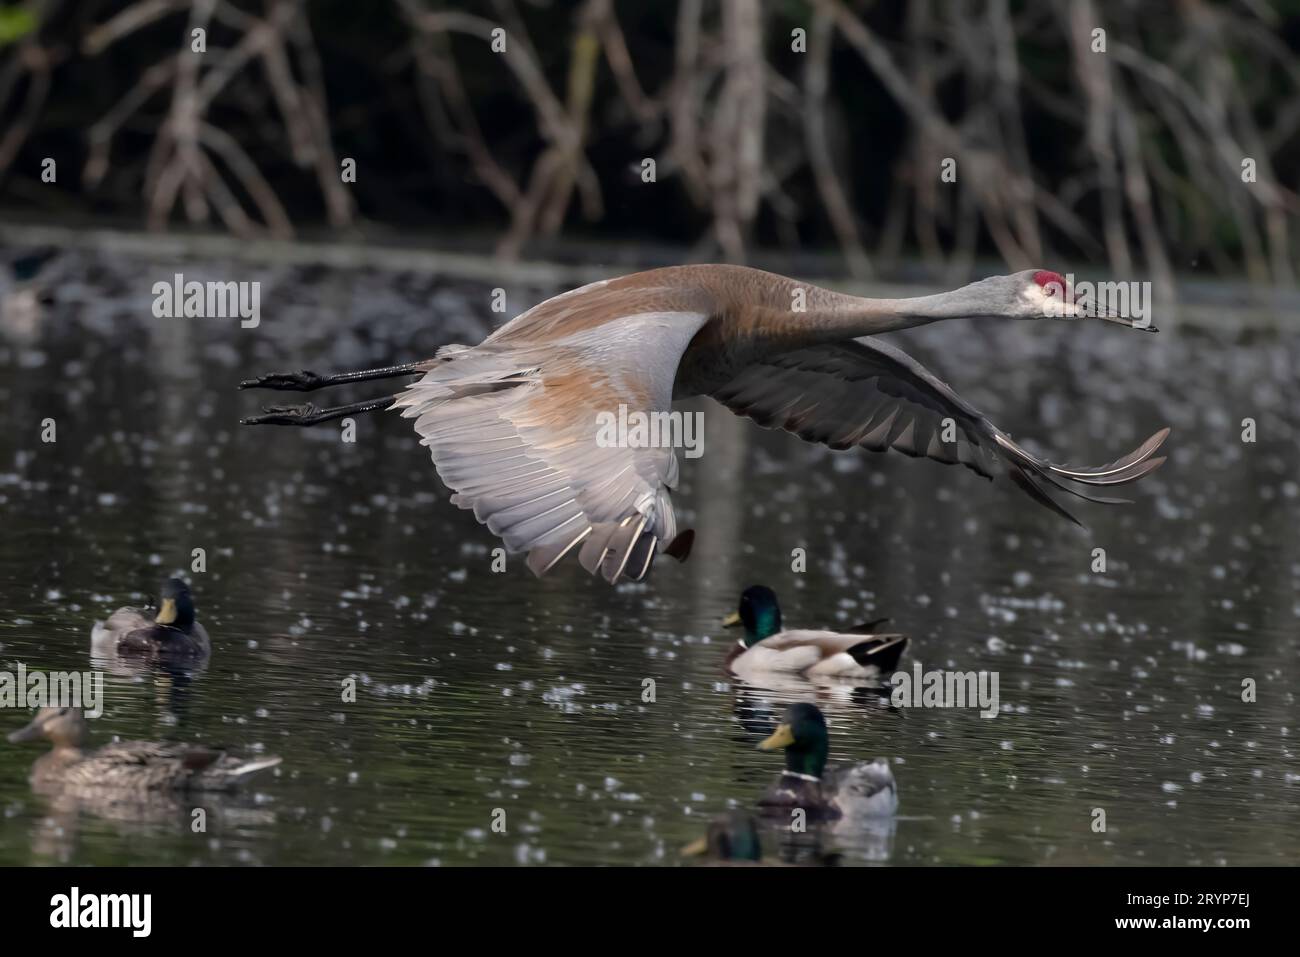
{"x":782,"y":737}
{"x":696,"y":848}
{"x":732,"y":620}
{"x":167,"y":613}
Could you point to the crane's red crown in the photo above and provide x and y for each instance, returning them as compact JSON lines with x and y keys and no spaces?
{"x":1045,"y":277}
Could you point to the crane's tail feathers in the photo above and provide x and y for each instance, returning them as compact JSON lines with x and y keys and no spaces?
{"x":545,"y":557}
{"x":613,"y":551}
{"x":609,"y":551}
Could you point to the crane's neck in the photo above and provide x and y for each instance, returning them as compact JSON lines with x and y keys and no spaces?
{"x":826,"y":316}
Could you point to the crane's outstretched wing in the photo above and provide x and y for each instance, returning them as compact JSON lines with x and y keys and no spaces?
{"x":515,"y":429}
{"x":867,"y":393}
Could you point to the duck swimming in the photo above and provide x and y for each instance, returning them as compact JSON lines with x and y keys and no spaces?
{"x":859,"y":790}
{"x":765,"y":647}
{"x":732,"y":840}
{"x":731,"y":837}
{"x":517,"y":425}
{"x":127,"y":765}
{"x":24,"y":295}
{"x":171,"y":635}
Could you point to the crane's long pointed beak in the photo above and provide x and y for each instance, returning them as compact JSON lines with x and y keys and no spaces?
{"x":1143,"y":325}
{"x":1069,"y":309}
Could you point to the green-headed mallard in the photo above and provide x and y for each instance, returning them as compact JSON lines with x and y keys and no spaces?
{"x":859,"y":790}
{"x":765,"y":647}
{"x":731,"y":837}
{"x":171,"y":635}
{"x":128,"y":765}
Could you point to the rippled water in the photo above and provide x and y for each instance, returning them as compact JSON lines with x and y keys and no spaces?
{"x":480,"y":691}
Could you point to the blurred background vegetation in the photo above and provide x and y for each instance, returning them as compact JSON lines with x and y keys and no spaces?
{"x":818,"y":125}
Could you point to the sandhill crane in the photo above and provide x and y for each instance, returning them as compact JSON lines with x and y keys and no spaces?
{"x":512,"y":421}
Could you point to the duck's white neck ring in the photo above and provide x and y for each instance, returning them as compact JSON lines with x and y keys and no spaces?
{"x":802,"y":777}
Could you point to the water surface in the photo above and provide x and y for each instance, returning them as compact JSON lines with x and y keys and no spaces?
{"x":480,"y":692}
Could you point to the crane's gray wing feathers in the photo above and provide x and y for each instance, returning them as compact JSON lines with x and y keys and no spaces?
{"x":866,"y":393}
{"x":515,"y":430}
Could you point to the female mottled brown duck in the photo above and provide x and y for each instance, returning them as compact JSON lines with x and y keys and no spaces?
{"x":766,"y":647}
{"x":514,"y":423}
{"x":128,"y":765}
{"x":857,"y":791}
{"x":171,"y":635}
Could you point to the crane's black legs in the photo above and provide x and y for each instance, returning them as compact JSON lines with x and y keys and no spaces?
{"x":306,"y":381}
{"x":308,"y":414}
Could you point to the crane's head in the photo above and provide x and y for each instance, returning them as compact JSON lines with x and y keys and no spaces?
{"x":1043,"y":294}
{"x":1028,"y":294}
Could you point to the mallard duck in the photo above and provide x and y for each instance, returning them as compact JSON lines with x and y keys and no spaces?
{"x":518,"y":425}
{"x":859,"y":790}
{"x":732,"y":841}
{"x":731,"y":837}
{"x":171,"y":635}
{"x":765,"y":647}
{"x":128,"y":765}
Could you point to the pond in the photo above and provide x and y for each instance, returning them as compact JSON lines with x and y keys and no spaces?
{"x":596,"y":725}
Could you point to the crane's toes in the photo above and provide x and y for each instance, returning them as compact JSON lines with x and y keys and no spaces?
{"x":282,"y":415}
{"x":304,"y":381}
